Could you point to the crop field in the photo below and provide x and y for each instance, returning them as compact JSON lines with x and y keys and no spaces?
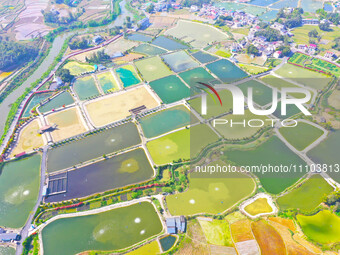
{"x":307,"y":196}
{"x":301,"y":35}
{"x":150,"y":248}
{"x":148,"y":49}
{"x":203,"y":57}
{"x":69,"y":123}
{"x":182,"y":144}
{"x":288,"y":223}
{"x":217,"y":232}
{"x":188,"y":30}
{"x":152,"y":68}
{"x":252,"y":69}
{"x":226,"y":71}
{"x":127,"y":75}
{"x":241,"y":231}
{"x":76,"y":152}
{"x":63,"y":99}
{"x":85,"y":88}
{"x":302,"y":135}
{"x":29,"y":138}
{"x":107,"y":82}
{"x":245,"y":59}
{"x":168,"y":44}
{"x":170,"y":89}
{"x":273,"y":152}
{"x":210,"y":195}
{"x":323,"y":227}
{"x":116,"y":107}
{"x":229,"y":131}
{"x":118,"y":171}
{"x":166,"y":120}
{"x":179,"y":61}
{"x":78,"y":68}
{"x":262,"y":94}
{"x":334,"y":99}
{"x":158,"y":21}
{"x":269,"y":240}
{"x":193,"y":76}
{"x":260,"y":205}
{"x":303,"y":76}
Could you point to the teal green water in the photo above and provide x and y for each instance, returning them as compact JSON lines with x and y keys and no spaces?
{"x":179,"y":61}
{"x":275,"y":153}
{"x":127,"y":77}
{"x":85,"y":88}
{"x":111,"y":230}
{"x":35,"y":100}
{"x":82,"y":150}
{"x":167,"y":242}
{"x":139,"y":37}
{"x":193,"y":76}
{"x":168,"y":44}
{"x":226,"y":71}
{"x":327,"y":152}
{"x":62,"y":99}
{"x":203,"y":57}
{"x":19,"y":187}
{"x":170,"y":89}
{"x":148,"y":50}
{"x":165,"y":121}
{"x":7,"y":251}
{"x":262,"y":94}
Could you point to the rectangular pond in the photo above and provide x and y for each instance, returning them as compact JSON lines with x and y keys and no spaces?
{"x":105,"y":142}
{"x":85,"y":88}
{"x":107,"y":82}
{"x":63,"y":99}
{"x":19,"y":188}
{"x":226,"y":71}
{"x":168,"y":44}
{"x":111,"y":230}
{"x":139,"y":37}
{"x":127,"y":75}
{"x":148,"y":49}
{"x":204,"y":57}
{"x":119,"y":171}
{"x":179,"y":61}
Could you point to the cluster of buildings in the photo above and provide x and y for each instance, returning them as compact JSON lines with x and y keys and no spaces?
{"x":6,"y":237}
{"x":176,"y":225}
{"x":308,"y":49}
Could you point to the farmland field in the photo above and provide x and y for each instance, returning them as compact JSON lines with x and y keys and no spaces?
{"x":303,"y":76}
{"x":241,"y":231}
{"x":127,"y":75}
{"x":165,"y":121}
{"x":107,"y":82}
{"x":152,"y":68}
{"x":323,"y":227}
{"x":85,"y":88}
{"x":179,"y":61}
{"x":334,"y":99}
{"x":110,"y":140}
{"x":217,"y":232}
{"x":177,"y":145}
{"x":260,"y":205}
{"x":60,"y":100}
{"x":188,"y":30}
{"x":148,"y":249}
{"x":210,"y":195}
{"x":226,"y":71}
{"x":29,"y":138}
{"x":269,"y":240}
{"x":69,"y":123}
{"x":252,"y":69}
{"x":110,"y":230}
{"x":78,"y":68}
{"x":273,"y":152}
{"x":302,"y":135}
{"x":307,"y":196}
{"x":116,"y":107}
{"x":170,"y":89}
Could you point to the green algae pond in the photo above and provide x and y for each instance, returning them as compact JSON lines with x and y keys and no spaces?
{"x":118,"y":171}
{"x":111,"y":230}
{"x":34,"y":101}
{"x":168,"y":44}
{"x":165,"y":121}
{"x":203,"y":57}
{"x":105,"y":142}
{"x":139,"y":37}
{"x":107,"y":82}
{"x":226,"y":71}
{"x":85,"y":88}
{"x":167,"y":242}
{"x":193,"y":76}
{"x":148,"y":49}
{"x":19,"y":188}
{"x":273,"y":152}
{"x":170,"y":89}
{"x":179,"y":61}
{"x":327,"y":152}
{"x":60,"y":100}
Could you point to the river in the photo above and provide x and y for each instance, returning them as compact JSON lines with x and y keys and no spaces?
{"x":57,"y":44}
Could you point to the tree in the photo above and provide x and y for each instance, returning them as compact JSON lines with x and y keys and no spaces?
{"x":325,"y":26}
{"x":252,"y":50}
{"x":313,"y":33}
{"x":270,"y":34}
{"x":65,"y":75}
{"x":150,"y":8}
{"x":285,"y":50}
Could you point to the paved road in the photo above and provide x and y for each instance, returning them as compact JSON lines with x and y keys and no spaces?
{"x":26,"y":228}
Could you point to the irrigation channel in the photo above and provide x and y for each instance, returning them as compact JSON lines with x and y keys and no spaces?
{"x":5,"y":106}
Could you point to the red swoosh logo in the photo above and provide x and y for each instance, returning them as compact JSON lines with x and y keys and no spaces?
{"x":213,"y":90}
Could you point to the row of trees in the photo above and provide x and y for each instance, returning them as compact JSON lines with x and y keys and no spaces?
{"x":290,"y":20}
{"x":77,"y":43}
{"x":98,"y":57}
